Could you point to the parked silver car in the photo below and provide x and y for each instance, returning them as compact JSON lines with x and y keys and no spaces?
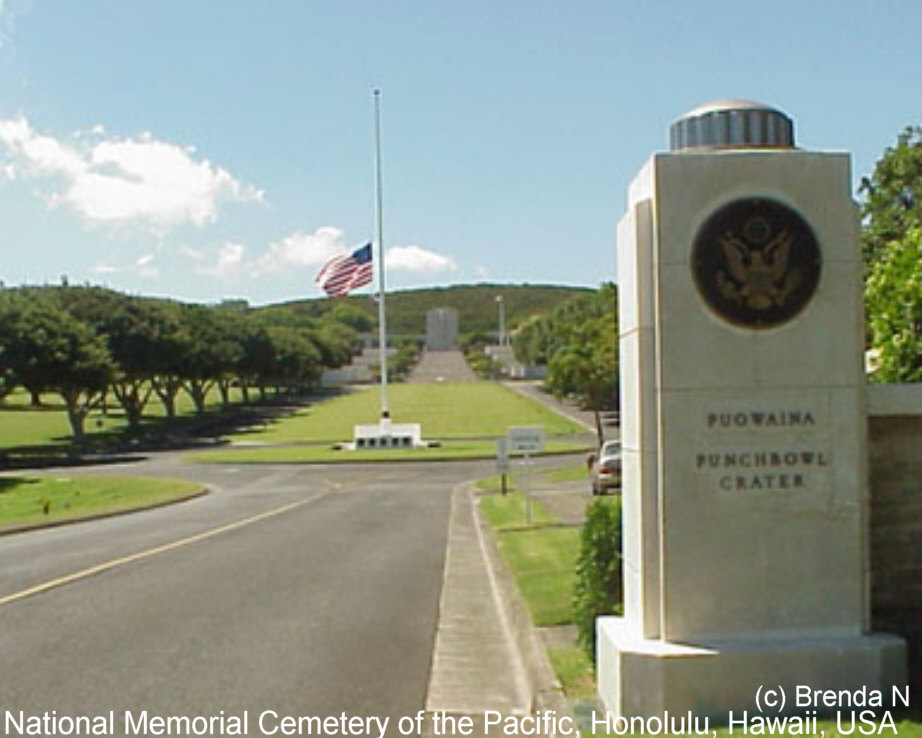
{"x":605,"y":473}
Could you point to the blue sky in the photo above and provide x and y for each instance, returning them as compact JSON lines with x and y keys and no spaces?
{"x":222,"y":149}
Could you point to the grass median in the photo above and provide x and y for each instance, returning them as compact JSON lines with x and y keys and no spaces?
{"x":540,"y":554}
{"x":325,"y":454}
{"x":463,"y":418}
{"x":445,"y":411}
{"x":27,"y":501}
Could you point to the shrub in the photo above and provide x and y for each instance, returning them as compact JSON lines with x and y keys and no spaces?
{"x":598,"y":569}
{"x":483,"y":366}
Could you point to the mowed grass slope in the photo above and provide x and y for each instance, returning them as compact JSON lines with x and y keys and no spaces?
{"x":22,"y":425}
{"x":28,"y":501}
{"x":445,"y":411}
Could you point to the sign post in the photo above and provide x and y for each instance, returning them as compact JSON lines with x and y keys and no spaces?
{"x":502,"y":461}
{"x":525,"y":440}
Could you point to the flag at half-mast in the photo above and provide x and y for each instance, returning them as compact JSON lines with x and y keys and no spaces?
{"x":346,"y":272}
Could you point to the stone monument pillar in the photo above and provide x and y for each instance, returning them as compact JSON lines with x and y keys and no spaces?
{"x":441,"y":329}
{"x":743,"y":426}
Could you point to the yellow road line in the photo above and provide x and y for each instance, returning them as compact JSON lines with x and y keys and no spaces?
{"x":106,"y":566}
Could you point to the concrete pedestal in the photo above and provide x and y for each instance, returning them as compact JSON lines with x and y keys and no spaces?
{"x":744,"y":459}
{"x":644,"y":677}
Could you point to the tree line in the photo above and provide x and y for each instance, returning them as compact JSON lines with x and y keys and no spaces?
{"x":88,"y":344}
{"x":891,"y":237}
{"x":578,"y":342}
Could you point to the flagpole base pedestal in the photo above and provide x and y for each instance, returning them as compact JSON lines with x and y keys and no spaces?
{"x":387,"y":435}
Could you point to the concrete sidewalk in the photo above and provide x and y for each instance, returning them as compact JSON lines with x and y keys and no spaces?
{"x":487,"y":655}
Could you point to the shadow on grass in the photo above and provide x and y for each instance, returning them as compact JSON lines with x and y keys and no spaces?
{"x":188,"y":432}
{"x":45,"y":407}
{"x":8,"y":484}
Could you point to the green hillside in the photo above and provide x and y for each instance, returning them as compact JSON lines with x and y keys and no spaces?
{"x":476,"y":305}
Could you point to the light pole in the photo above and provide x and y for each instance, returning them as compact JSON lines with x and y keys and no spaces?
{"x":502,"y":321}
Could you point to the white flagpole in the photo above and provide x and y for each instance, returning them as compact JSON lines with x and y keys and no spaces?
{"x":379,"y":223}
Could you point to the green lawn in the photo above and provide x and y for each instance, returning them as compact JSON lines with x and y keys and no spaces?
{"x":27,"y":501}
{"x":325,"y":454}
{"x":507,"y":512}
{"x":541,"y":556}
{"x":544,"y":565}
{"x":445,"y":411}
{"x":458,"y":413}
{"x":556,"y":475}
{"x":575,"y":671}
{"x":24,"y":426}
{"x":571,"y":473}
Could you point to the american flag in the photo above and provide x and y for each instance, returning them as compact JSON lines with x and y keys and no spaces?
{"x":346,"y":272}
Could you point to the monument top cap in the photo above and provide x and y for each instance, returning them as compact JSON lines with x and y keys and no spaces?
{"x":732,"y":124}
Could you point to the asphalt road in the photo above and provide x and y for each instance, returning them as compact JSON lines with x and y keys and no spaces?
{"x":303,"y":590}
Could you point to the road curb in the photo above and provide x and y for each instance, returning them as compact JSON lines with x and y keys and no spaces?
{"x":546,"y":691}
{"x":475,"y":664}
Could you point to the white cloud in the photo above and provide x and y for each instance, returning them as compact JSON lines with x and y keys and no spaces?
{"x":192,"y":253}
{"x":144,"y":267}
{"x":103,"y":268}
{"x":40,"y":154}
{"x":418,"y":259}
{"x":301,"y":250}
{"x":124,"y":181}
{"x":229,"y":264}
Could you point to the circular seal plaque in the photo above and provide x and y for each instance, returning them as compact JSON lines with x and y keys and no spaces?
{"x":756,"y":262}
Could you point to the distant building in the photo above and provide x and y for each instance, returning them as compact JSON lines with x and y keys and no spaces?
{"x":441,"y":329}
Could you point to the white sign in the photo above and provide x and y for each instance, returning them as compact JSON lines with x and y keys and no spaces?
{"x":525,"y":439}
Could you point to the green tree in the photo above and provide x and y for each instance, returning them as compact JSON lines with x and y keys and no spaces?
{"x":256,"y":362}
{"x":172,"y":342}
{"x":893,"y":302}
{"x":45,"y":347}
{"x":532,"y":342}
{"x":138,"y":334}
{"x":577,"y":341}
{"x":7,"y":382}
{"x":892,"y":195}
{"x":296,"y":365}
{"x":891,"y":224}
{"x":351,"y":315}
{"x":209,"y":353}
{"x":336,"y":341}
{"x":587,"y":367}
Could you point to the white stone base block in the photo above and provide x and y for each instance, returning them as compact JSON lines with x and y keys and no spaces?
{"x":641,"y":678}
{"x":386,"y":435}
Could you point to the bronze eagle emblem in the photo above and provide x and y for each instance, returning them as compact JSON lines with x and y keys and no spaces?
{"x":758,"y":277}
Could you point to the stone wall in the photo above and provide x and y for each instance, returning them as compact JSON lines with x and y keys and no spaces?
{"x":895,"y":442}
